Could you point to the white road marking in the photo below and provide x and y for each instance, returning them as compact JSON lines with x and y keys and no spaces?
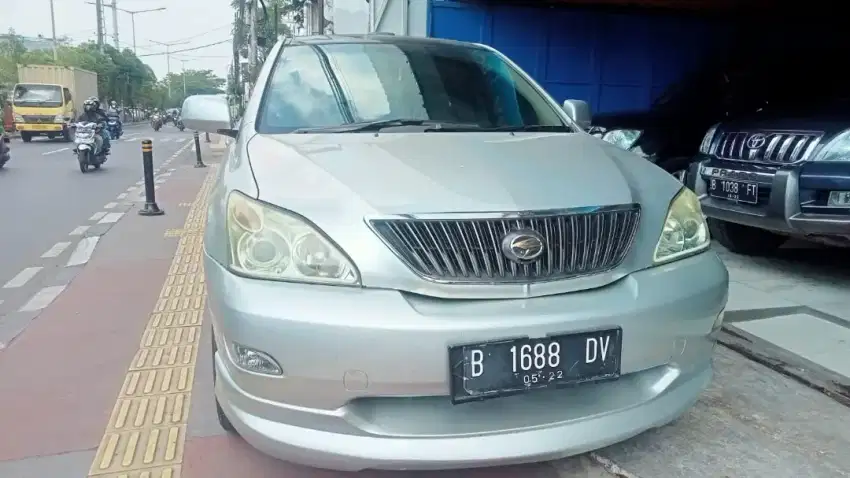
{"x":121,"y":196}
{"x":165,"y":140}
{"x":43,"y":298}
{"x":139,"y":183}
{"x":131,"y":189}
{"x":111,"y":218}
{"x":79,"y":231}
{"x":163,"y":175}
{"x":83,"y":252}
{"x":111,"y":205}
{"x":180,"y":140}
{"x":55,"y":151}
{"x":130,"y":140}
{"x":57,"y":249}
{"x":22,"y":278}
{"x":97,"y":216}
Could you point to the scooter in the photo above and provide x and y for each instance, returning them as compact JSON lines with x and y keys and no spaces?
{"x":5,"y":151}
{"x":89,"y":148}
{"x":180,"y":124}
{"x":156,"y":122}
{"x":115,"y":129}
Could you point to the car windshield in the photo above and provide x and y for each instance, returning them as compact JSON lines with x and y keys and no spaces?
{"x":37,"y":95}
{"x":315,"y":87}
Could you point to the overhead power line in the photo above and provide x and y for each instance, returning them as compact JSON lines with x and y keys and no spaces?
{"x":187,"y":49}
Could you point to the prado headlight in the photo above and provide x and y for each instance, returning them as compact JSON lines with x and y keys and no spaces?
{"x":836,"y":150}
{"x":269,"y":243}
{"x":705,"y":146}
{"x":624,"y":138}
{"x":685,"y":231}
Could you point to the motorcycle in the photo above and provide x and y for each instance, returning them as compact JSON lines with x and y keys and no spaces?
{"x":156,"y":122}
{"x":88,"y":149}
{"x":5,"y":152}
{"x":180,"y":124}
{"x":115,"y":129}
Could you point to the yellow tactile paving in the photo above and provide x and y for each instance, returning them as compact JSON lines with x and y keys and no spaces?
{"x":147,"y":429}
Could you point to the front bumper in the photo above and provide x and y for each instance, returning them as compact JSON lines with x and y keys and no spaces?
{"x":793,"y":202}
{"x":40,"y":128}
{"x":366,"y":383}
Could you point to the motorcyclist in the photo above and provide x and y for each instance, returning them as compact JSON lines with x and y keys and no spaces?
{"x":92,"y":113}
{"x":114,"y":112}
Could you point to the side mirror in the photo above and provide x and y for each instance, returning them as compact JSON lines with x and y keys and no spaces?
{"x":207,"y":113}
{"x":578,"y":111}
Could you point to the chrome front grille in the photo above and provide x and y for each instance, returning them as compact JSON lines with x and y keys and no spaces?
{"x":772,"y":147}
{"x":470,"y":250}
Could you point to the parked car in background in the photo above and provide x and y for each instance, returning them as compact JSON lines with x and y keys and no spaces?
{"x":783,"y":169}
{"x":415,"y":260}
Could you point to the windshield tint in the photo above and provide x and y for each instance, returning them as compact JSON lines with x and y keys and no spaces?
{"x":336,"y":84}
{"x":38,"y":95}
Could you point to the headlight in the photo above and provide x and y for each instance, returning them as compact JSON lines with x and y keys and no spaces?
{"x":705,"y":146}
{"x":59,"y":119}
{"x":18,"y":118}
{"x":268,"y":243}
{"x":685,"y":231}
{"x":624,"y":138}
{"x":836,"y":150}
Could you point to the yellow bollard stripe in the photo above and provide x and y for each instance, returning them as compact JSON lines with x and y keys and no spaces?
{"x":147,"y":429}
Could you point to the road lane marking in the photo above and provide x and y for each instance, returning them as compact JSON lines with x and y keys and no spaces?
{"x":111,"y":218}
{"x":56,"y":250}
{"x":43,"y":298}
{"x":122,"y":196}
{"x":55,"y":151}
{"x":22,"y":278}
{"x":82,"y":253}
{"x":111,"y":205}
{"x":97,"y":216}
{"x":79,"y":231}
{"x":146,"y":432}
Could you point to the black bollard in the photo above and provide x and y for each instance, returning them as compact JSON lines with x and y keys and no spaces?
{"x":151,"y":208}
{"x":198,"y":163}
{"x":206,"y":137}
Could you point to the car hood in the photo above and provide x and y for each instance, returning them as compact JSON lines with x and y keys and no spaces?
{"x":401,"y":173}
{"x":337,"y":181}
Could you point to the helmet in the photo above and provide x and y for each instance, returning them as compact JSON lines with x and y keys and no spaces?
{"x":89,"y":105}
{"x":113,"y":103}
{"x":94,"y":101}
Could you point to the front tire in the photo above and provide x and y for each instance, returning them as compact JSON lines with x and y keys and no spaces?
{"x":67,"y":135}
{"x":746,"y":240}
{"x":222,"y":418}
{"x":26,"y":137}
{"x":83,"y":159}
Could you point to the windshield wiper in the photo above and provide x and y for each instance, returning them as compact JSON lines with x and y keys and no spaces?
{"x":370,"y":126}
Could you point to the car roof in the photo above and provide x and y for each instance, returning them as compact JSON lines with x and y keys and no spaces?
{"x":386,"y":38}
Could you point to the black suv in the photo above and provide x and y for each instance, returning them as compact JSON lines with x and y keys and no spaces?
{"x":782,"y":170}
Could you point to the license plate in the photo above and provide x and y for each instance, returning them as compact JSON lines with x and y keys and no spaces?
{"x":509,"y":367}
{"x":734,"y":190}
{"x":839,"y":198}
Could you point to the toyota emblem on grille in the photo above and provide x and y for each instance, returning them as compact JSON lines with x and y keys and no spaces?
{"x":523,"y":246}
{"x":756,"y":141}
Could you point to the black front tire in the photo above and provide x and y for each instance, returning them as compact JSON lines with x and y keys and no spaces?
{"x":746,"y":240}
{"x":222,"y":418}
{"x":26,"y":137}
{"x":82,"y":158}
{"x":67,"y":135}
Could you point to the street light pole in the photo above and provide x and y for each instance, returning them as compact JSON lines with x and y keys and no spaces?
{"x":183,"y":74}
{"x":114,"y":7}
{"x":168,"y":59}
{"x":132,"y":13}
{"x":53,"y":28}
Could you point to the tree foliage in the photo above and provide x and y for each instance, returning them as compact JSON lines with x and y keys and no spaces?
{"x":197,"y":82}
{"x":121,"y":75}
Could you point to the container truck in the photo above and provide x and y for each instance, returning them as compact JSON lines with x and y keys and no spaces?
{"x":48,"y":98}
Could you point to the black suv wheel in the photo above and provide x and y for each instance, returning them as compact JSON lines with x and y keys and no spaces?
{"x":745,"y":240}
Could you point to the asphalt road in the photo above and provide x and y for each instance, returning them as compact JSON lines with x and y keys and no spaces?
{"x":47,"y":204}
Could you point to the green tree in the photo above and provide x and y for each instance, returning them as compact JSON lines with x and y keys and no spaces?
{"x":197,"y":82}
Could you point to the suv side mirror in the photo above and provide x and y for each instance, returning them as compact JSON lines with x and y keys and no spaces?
{"x":578,"y":111}
{"x":208,"y":113}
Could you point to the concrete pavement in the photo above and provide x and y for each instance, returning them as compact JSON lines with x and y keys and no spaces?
{"x":114,"y":376}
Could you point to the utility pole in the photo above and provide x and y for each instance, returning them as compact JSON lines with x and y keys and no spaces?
{"x":99,"y":6}
{"x":252,"y":43}
{"x":183,"y":74}
{"x":114,"y":7}
{"x":132,"y":13}
{"x":168,"y":59}
{"x":53,"y":29}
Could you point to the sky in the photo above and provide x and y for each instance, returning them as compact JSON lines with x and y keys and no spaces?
{"x":197,"y":22}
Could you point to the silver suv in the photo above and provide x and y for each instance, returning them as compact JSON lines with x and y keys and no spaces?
{"x":416,"y":259}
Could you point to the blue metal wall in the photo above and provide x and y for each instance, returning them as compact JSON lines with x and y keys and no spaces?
{"x":614,"y":61}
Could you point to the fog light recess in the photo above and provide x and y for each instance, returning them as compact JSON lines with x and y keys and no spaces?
{"x":255,"y":361}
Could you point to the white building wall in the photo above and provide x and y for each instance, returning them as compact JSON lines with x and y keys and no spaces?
{"x":401,"y":17}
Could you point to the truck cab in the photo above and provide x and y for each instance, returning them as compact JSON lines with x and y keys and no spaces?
{"x":41,"y":109}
